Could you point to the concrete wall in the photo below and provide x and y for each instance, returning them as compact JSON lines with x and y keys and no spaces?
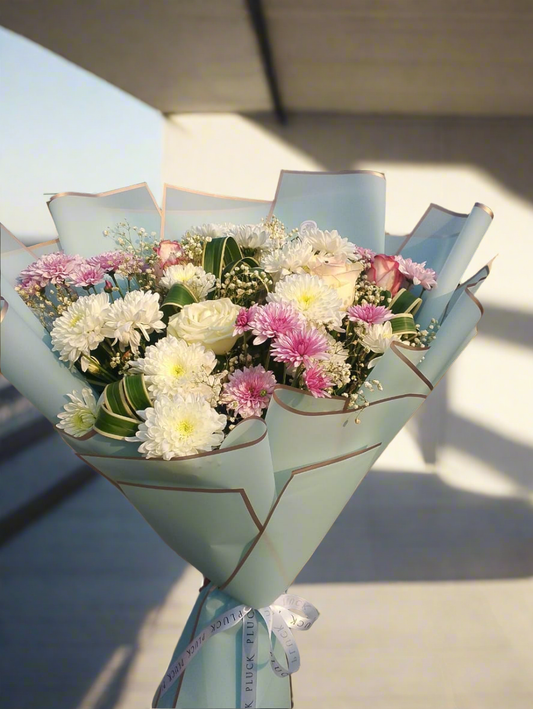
{"x":476,"y":425}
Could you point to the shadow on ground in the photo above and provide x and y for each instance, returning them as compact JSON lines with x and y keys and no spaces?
{"x":77,"y":587}
{"x":414,"y":527}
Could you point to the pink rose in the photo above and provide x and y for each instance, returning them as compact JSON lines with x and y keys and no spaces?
{"x":170,"y":253}
{"x":385,"y":273}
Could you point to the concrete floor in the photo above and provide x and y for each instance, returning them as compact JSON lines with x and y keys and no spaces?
{"x":425,"y":592}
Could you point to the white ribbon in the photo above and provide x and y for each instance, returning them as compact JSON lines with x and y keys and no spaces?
{"x":287,"y":613}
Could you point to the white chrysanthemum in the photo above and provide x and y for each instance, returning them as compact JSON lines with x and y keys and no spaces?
{"x":312,"y":297}
{"x":251,"y":236}
{"x":81,"y":328}
{"x":210,"y":231}
{"x":378,"y":338}
{"x":179,"y":426}
{"x":327,"y":245}
{"x":291,"y":258}
{"x":135,"y":315}
{"x":78,"y":416}
{"x":195,"y":278}
{"x":173,"y":366}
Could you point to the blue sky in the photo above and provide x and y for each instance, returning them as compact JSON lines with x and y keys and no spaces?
{"x":63,"y":129}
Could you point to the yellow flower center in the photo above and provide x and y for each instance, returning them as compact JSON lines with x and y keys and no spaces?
{"x":305,"y":300}
{"x":75,"y":320}
{"x":185,"y":428}
{"x":178,"y":370}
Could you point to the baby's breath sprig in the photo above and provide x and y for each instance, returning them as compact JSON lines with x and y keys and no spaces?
{"x":193,"y":246}
{"x":132,"y":239}
{"x":278,"y":232}
{"x":245,"y":285}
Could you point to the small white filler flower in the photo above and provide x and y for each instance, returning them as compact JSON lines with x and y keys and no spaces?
{"x":78,"y":416}
{"x":179,"y":426}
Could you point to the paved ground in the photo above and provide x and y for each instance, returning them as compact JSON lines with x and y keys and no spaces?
{"x":425,"y":591}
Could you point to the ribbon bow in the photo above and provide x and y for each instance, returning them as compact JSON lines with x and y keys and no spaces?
{"x":288,"y":612}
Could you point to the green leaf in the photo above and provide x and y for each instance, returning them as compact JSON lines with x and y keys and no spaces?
{"x":115,"y":401}
{"x":136,"y":393}
{"x":113,"y":425}
{"x":403,"y":324}
{"x":405,"y":302}
{"x":178,"y":296}
{"x":219,"y":253}
{"x":245,"y":259}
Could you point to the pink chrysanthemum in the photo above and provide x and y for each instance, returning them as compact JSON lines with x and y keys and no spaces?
{"x":317,"y":381}
{"x":248,"y":391}
{"x":366,"y":254}
{"x":300,"y":346}
{"x":109,"y":261}
{"x":30,"y":282}
{"x":244,"y":318}
{"x":51,"y":268}
{"x":417,"y":272}
{"x":273,"y":320}
{"x":86,"y":275}
{"x":371,"y":314}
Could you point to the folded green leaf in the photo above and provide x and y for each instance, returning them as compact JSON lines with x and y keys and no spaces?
{"x":115,"y":400}
{"x":136,"y":393}
{"x":238,"y":262}
{"x":178,"y":296}
{"x":405,"y":302}
{"x":403,"y":324}
{"x":117,"y":417}
{"x":113,"y":425}
{"x":219,"y":253}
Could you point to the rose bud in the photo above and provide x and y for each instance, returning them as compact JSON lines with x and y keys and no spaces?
{"x":170,"y":253}
{"x":385,"y":273}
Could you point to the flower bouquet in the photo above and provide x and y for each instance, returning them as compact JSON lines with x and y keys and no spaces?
{"x":235,"y":368}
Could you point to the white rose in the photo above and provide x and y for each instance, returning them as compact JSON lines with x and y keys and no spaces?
{"x":341,"y":276}
{"x":211,"y":323}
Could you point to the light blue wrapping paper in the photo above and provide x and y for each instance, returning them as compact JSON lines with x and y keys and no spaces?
{"x":352,"y":202}
{"x":184,"y":209}
{"x":446,"y":241}
{"x":213,"y":677}
{"x":251,"y":514}
{"x":81,"y":219}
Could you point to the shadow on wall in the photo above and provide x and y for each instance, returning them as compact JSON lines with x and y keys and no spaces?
{"x":500,"y":147}
{"x":414,"y":527}
{"x":513,"y":459}
{"x":503,"y":147}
